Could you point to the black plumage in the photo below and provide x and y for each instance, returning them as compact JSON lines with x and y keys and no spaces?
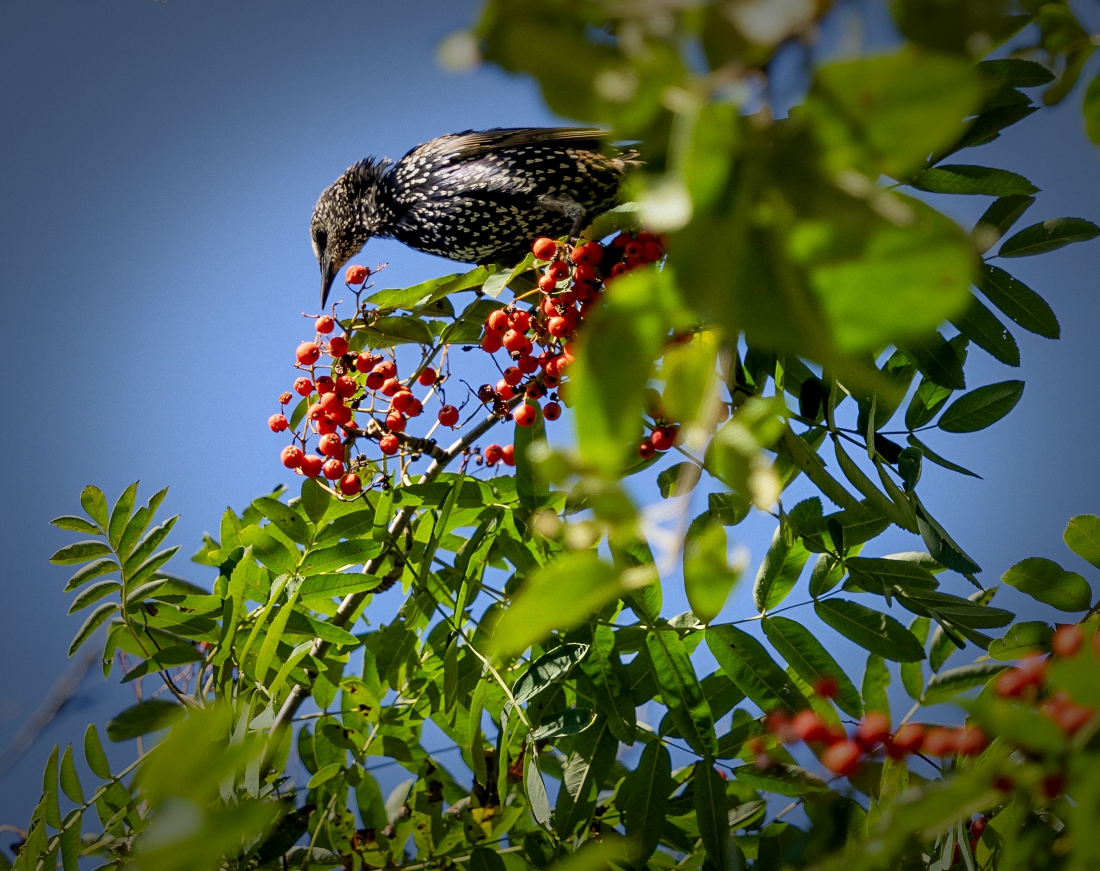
{"x":476,"y":197}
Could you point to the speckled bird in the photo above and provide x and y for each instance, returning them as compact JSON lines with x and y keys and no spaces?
{"x":476,"y":197}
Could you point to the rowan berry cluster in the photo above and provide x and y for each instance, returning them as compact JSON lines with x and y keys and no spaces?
{"x":568,"y":286}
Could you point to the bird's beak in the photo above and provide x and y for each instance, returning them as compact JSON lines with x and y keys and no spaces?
{"x":328,"y":274}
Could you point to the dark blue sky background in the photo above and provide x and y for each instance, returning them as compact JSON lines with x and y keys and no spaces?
{"x":160,"y":163}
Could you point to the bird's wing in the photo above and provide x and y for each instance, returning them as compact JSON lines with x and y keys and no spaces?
{"x":473,"y":143}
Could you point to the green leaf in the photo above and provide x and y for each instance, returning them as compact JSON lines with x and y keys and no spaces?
{"x":1018,"y":301}
{"x":931,"y":455}
{"x":1016,"y":72}
{"x":536,"y":789}
{"x":79,"y":552}
{"x":675,"y":676}
{"x":533,"y":492}
{"x":75,"y":524}
{"x":961,"y":179}
{"x":315,"y":499}
{"x":70,"y":782}
{"x":983,"y":328}
{"x":747,"y":663}
{"x":1050,"y":235}
{"x":712,"y":813}
{"x":388,"y":331}
{"x":876,"y":680}
{"x":568,"y":722}
{"x":614,"y":359}
{"x":708,"y":575}
{"x":875,"y":575}
{"x":547,"y":669}
{"x":981,"y":407}
{"x":92,"y":594}
{"x":95,"y":503}
{"x":780,"y":569}
{"x":49,"y":790}
{"x":686,"y":475}
{"x":559,"y":595}
{"x":120,"y":514}
{"x":998,"y":219}
{"x":1091,"y":109}
{"x":484,"y":859}
{"x":646,"y":791}
{"x":948,"y":684}
{"x":888,"y":113}
{"x":151,"y":715}
{"x":92,"y":622}
{"x":912,"y":673}
{"x":285,"y":519}
{"x":783,"y":779}
{"x":172,"y":656}
{"x":690,"y":374}
{"x":1048,"y":582}
{"x":810,"y":660}
{"x":94,"y":755}
{"x":929,"y":398}
{"x":70,"y":841}
{"x":938,"y":361}
{"x":871,"y":630}
{"x":1082,"y":535}
{"x":324,"y":774}
{"x":371,"y":804}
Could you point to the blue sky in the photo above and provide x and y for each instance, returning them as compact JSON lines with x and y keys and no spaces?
{"x":161,"y":160}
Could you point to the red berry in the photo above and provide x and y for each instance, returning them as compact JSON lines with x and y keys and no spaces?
{"x":325,"y":425}
{"x":558,"y":270}
{"x":633,"y":248}
{"x":311,"y":465}
{"x":402,"y":400}
{"x":395,"y":422}
{"x":584,"y":274}
{"x":977,"y":828}
{"x":315,"y":412}
{"x":387,"y":369}
{"x":940,"y":742}
{"x":521,"y":321}
{"x":330,"y":445}
{"x":512,"y":376}
{"x":615,"y":271}
{"x":504,"y":389}
{"x":350,"y":484}
{"x":525,"y":415}
{"x":389,"y":444}
{"x":545,"y":248}
{"x":486,"y":393}
{"x":1053,"y":785}
{"x":356,"y":274}
{"x":346,"y":387}
{"x":547,"y":283}
{"x":554,"y":366}
{"x":337,"y":346}
{"x":559,"y":327}
{"x":493,"y":455}
{"x":490,"y":342}
{"x":652,"y":252}
{"x":428,"y":377}
{"x":513,"y":341}
{"x":330,"y":402}
{"x":497,"y":320}
{"x":907,"y":739}
{"x":339,"y":414}
{"x":842,"y":758}
{"x":809,"y":726}
{"x":873,"y":730}
{"x":448,"y":415}
{"x":291,"y":456}
{"x":284,"y":398}
{"x":662,"y":438}
{"x":364,"y":362}
{"x":375,"y":381}
{"x":1067,"y":641}
{"x":534,"y":390}
{"x":826,"y":687}
{"x":646,"y":449}
{"x":1004,"y":783}
{"x":308,"y":353}
{"x":551,"y":411}
{"x":324,"y":385}
{"x":390,"y":387}
{"x":415,"y":409}
{"x":332,"y":469}
{"x":970,"y":741}
{"x":526,"y":365}
{"x":508,"y":455}
{"x":277,"y":423}
{"x":622,"y":240}
{"x":325,"y":324}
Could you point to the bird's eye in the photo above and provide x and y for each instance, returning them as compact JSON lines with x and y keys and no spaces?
{"x":320,"y":239}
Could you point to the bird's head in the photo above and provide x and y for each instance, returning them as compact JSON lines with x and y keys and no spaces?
{"x":345,"y":217}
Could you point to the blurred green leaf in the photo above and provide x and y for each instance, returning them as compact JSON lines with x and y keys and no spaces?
{"x":690,"y":375}
{"x":780,"y":569}
{"x":1091,"y":109}
{"x":151,"y":715}
{"x":708,"y":575}
{"x":547,"y":669}
{"x":532,"y":490}
{"x":1045,"y":580}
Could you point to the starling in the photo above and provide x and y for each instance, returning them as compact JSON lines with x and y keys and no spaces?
{"x":476,"y":197}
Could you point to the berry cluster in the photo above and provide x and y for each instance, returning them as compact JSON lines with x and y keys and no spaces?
{"x":569,"y":285}
{"x":338,"y":383}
